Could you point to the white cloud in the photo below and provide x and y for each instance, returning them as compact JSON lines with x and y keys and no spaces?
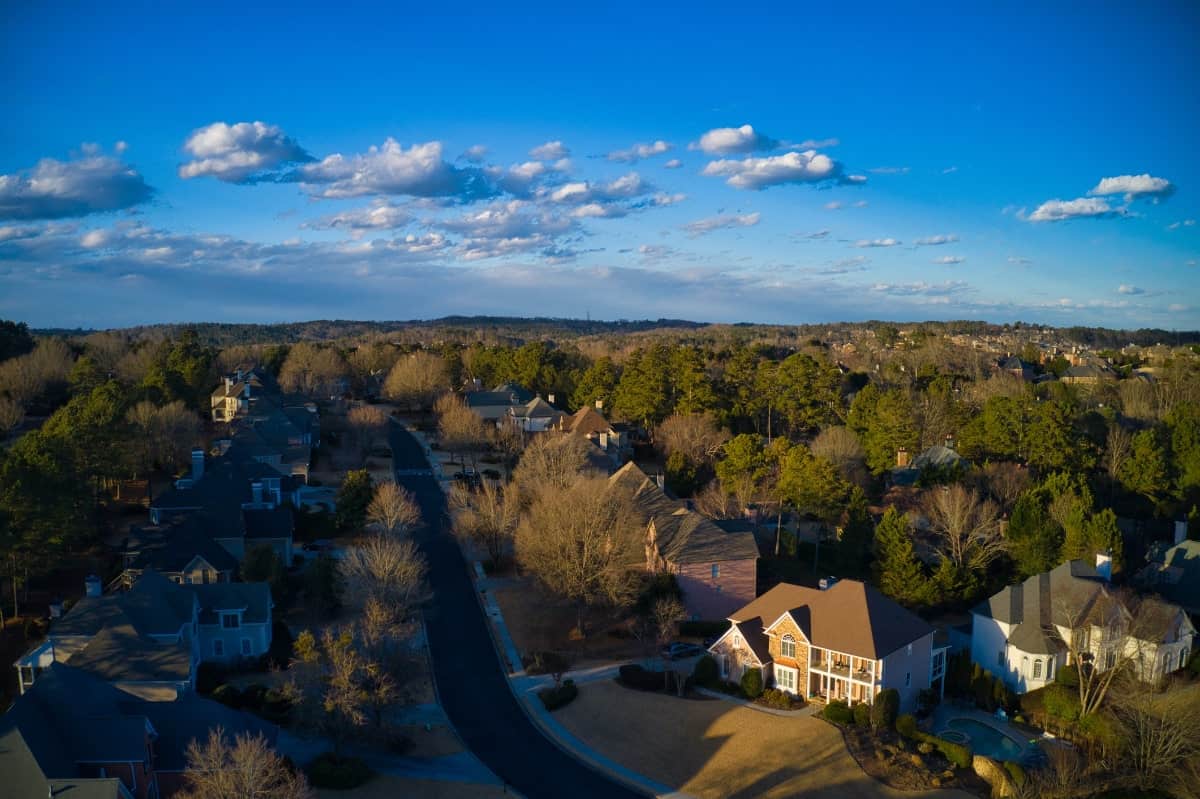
{"x":380,"y":215}
{"x":674,"y":163}
{"x":1133,"y":186}
{"x":941,"y":238}
{"x":833,"y":205}
{"x":922,"y":289}
{"x":815,"y":144}
{"x":475,"y":153}
{"x":1060,"y":210}
{"x":550,"y":151}
{"x":759,"y":173}
{"x":53,"y":189}
{"x":888,"y":242}
{"x":890,"y":170}
{"x":1020,"y":260}
{"x":818,"y":234}
{"x":639,"y":151}
{"x":726,"y":141}
{"x":950,"y":170}
{"x":948,"y":260}
{"x":707,"y":225}
{"x":1125,"y":288}
{"x":1181,"y":223}
{"x":239,"y":153}
{"x":419,"y":171}
{"x":1177,"y":307}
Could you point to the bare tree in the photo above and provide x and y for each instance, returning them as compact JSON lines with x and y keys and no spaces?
{"x":460,"y":429}
{"x":1138,"y":400}
{"x":715,"y":503}
{"x":1005,"y":482}
{"x":696,"y":435}
{"x":416,"y":380}
{"x":550,"y":462}
{"x":163,"y":435}
{"x":1117,"y":449}
{"x":841,"y":447}
{"x":248,"y":767}
{"x":11,"y":416}
{"x":312,"y":370}
{"x":388,"y":569}
{"x":583,"y":544}
{"x":967,"y":526}
{"x":368,"y":422}
{"x":393,"y":510}
{"x":666,"y":615}
{"x":487,"y":517}
{"x":1161,"y":749}
{"x":27,"y":377}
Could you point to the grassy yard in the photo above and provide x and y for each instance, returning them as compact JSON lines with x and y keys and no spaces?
{"x":717,"y":749}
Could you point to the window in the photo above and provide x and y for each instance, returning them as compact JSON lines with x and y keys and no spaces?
{"x":716,"y":571}
{"x":907,"y":678}
{"x":724,"y":666}
{"x":787,"y":647}
{"x":785,"y":679}
{"x":230,"y":621}
{"x":1183,"y":657}
{"x":737,"y":641}
{"x":218,"y":648}
{"x":1024,"y":666}
{"x":1037,"y":669}
{"x":909,"y":652}
{"x":246,"y":646}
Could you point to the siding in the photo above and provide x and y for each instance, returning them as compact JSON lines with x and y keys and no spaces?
{"x":259,"y":635}
{"x":706,"y":598}
{"x":918,"y":666}
{"x":988,"y":638}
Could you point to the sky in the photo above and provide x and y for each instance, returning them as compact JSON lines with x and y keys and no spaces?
{"x":173,"y":162}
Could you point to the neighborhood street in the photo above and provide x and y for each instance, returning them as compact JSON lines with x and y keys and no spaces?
{"x":472,"y":688}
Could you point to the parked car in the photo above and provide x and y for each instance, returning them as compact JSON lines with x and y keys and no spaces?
{"x":679,"y":650}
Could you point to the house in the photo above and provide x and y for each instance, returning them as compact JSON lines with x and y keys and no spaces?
{"x":74,"y":736}
{"x":1017,"y":368}
{"x":610,"y":439}
{"x":1174,"y":572}
{"x":942,"y":459}
{"x":494,"y":406}
{"x":845,"y":642}
{"x":1020,"y":633}
{"x":535,"y":416}
{"x":238,"y":392}
{"x":150,"y":640}
{"x":1088,"y":374}
{"x":181,"y":549}
{"x":243,"y":502}
{"x":715,"y":568}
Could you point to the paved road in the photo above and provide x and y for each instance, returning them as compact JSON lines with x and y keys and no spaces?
{"x":472,"y":688}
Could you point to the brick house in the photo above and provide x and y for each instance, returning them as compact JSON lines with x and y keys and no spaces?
{"x":846,"y":642}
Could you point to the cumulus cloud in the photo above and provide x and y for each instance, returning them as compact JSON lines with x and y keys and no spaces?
{"x":380,"y":215}
{"x":1125,"y":288}
{"x":707,"y":225}
{"x":948,"y":260}
{"x":1061,"y":210}
{"x":475,"y":154}
{"x":728,"y":141}
{"x":941,"y":238}
{"x":759,"y":173}
{"x":419,"y":171}
{"x":1132,"y":186}
{"x":639,"y":151}
{"x":888,"y":242}
{"x":240,"y":153}
{"x":550,"y":151}
{"x":53,"y":189}
{"x":674,"y":163}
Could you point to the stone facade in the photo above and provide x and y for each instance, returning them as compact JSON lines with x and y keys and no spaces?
{"x":734,"y":657}
{"x":775,"y":635}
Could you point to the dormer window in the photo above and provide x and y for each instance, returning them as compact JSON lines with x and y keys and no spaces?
{"x":231,"y":621}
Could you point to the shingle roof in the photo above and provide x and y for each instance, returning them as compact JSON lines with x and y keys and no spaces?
{"x":586,"y":421}
{"x":268,"y":523}
{"x":172,"y":546}
{"x":119,"y":654}
{"x":252,"y":598}
{"x":849,"y":617}
{"x":1175,"y":573}
{"x":154,"y":606}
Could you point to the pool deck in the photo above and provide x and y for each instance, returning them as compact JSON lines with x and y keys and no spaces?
{"x":947,"y":711}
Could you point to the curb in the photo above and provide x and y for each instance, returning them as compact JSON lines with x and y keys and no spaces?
{"x":806,"y":711}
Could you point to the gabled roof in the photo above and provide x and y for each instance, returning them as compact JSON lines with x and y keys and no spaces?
{"x":586,"y":421}
{"x":1174,"y":572}
{"x":937,"y":455}
{"x":153,"y":606}
{"x":263,"y":523}
{"x":171,"y":547}
{"x":253,"y":599}
{"x":537,"y":408}
{"x":849,"y":617}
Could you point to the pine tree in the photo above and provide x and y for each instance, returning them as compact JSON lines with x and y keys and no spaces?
{"x":898,"y":572}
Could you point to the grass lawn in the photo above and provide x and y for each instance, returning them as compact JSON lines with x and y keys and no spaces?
{"x":717,"y":749}
{"x":538,"y":621}
{"x":385,"y":787}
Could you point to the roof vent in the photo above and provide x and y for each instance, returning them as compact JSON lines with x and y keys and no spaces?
{"x":825,"y":583}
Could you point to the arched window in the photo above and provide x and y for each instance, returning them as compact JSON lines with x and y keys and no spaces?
{"x":1183,"y":657}
{"x":1037,"y":669}
{"x":1024,"y":666}
{"x":787,"y":647}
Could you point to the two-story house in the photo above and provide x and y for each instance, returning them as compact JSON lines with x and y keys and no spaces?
{"x":847,"y":642}
{"x":182,"y":550}
{"x":612,"y":440}
{"x":1020,"y":634}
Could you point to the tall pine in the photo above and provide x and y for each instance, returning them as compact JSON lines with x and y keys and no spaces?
{"x":898,"y":572}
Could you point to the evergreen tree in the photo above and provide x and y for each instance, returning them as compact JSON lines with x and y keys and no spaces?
{"x":898,"y":572}
{"x":691,"y":390}
{"x":353,"y":497}
{"x":1146,"y":471}
{"x":598,"y":382}
{"x":1034,"y":539}
{"x":642,"y":392}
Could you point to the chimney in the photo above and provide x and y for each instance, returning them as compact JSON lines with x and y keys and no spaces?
{"x":91,"y":586}
{"x":599,"y":404}
{"x":228,"y":383}
{"x":1181,"y":531}
{"x":1104,"y":565}
{"x":256,"y":492}
{"x":550,"y":398}
{"x":246,"y":393}
{"x":902,"y":457}
{"x":825,"y":583}
{"x":660,"y":480}
{"x":239,"y":374}
{"x":950,"y":441}
{"x":197,"y":464}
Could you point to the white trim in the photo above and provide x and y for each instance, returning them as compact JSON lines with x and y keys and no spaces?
{"x":795,"y":674}
{"x":788,"y":613}
{"x":744,"y":648}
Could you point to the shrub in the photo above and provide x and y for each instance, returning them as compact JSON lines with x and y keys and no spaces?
{"x":253,"y":696}
{"x":862,"y":714}
{"x":280,"y":653}
{"x":752,"y":683}
{"x":1193,"y":664}
{"x":276,"y":707}
{"x":634,"y":676}
{"x":885,"y":708}
{"x":1068,"y":676}
{"x":228,"y":695}
{"x":1060,"y":702}
{"x":548,"y":663}
{"x":554,"y":698}
{"x":340,"y":773}
{"x":781,"y":700}
{"x":927,"y":700}
{"x":924,"y":747}
{"x":917,"y":761}
{"x":208,"y":677}
{"x":957,"y":754}
{"x":1015,"y":772}
{"x":706,"y":672}
{"x":838,"y":712}
{"x":906,"y":725}
{"x":702,"y":629}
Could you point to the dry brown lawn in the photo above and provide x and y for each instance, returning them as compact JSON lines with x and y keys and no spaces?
{"x":716,"y":749}
{"x":541,"y":622}
{"x":385,"y":787}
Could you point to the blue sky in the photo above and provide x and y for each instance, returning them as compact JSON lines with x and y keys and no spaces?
{"x":772,"y":163}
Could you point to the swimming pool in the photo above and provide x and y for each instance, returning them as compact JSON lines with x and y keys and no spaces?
{"x":985,"y":739}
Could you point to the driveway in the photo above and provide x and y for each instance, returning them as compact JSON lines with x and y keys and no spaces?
{"x":713,"y":749}
{"x":471,"y":686}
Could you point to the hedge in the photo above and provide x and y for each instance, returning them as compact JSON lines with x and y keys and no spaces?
{"x":702,"y":629}
{"x":885,"y":708}
{"x":228,"y":695}
{"x":340,"y":773}
{"x":554,"y":698}
{"x":1015,"y":772}
{"x":706,"y":672}
{"x":838,"y":712}
{"x":781,"y":700}
{"x":634,"y":676}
